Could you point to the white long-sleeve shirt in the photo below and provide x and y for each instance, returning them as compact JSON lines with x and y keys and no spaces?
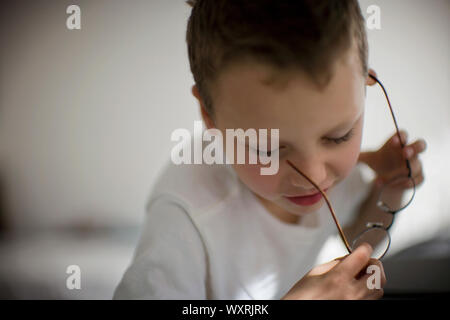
{"x":206,"y":236}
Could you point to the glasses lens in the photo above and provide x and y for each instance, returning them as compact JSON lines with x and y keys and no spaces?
{"x":377,"y":237}
{"x":388,"y":199}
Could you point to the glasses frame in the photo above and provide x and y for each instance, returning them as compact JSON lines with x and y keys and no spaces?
{"x":380,"y":204}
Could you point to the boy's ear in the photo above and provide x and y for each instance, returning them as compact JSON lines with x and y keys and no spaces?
{"x":209,"y":123}
{"x":369,"y":80}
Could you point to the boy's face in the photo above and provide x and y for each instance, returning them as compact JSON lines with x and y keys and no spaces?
{"x":307,"y":119}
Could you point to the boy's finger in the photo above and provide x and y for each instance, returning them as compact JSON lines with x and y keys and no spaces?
{"x":414,"y":148}
{"x":356,"y":261}
{"x":403,"y":135}
{"x":382,"y":273}
{"x":340,"y":258}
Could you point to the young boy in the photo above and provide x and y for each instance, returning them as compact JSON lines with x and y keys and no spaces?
{"x":228,"y":232}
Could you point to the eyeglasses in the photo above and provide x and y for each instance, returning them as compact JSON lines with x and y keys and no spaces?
{"x":377,"y":233}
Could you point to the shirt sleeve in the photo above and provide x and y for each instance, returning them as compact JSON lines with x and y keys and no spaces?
{"x":169,"y":261}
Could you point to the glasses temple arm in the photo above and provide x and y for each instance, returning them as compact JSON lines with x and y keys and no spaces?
{"x":395,"y":121}
{"x":341,"y":232}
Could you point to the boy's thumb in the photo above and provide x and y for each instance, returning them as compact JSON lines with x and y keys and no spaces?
{"x":323,"y":268}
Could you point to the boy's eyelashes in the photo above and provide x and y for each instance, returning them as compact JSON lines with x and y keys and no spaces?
{"x":267,"y":153}
{"x":344,"y":138}
{"x":339,"y":140}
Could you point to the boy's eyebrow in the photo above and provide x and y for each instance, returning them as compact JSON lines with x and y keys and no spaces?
{"x":345,"y":124}
{"x":341,"y":126}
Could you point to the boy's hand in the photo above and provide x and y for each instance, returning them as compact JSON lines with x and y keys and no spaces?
{"x":343,"y":278}
{"x":389,"y":160}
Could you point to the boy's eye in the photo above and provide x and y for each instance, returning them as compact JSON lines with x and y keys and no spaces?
{"x":267,"y":153}
{"x":263,"y":153}
{"x":280,"y":151}
{"x":343,"y":138}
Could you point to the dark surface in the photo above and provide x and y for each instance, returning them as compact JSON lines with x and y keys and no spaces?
{"x":419,"y":272}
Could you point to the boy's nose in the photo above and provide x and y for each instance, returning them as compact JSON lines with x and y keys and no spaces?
{"x":296,"y":181}
{"x":318,"y":175}
{"x":300,"y":182}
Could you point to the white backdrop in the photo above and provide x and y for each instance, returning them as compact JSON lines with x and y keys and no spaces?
{"x":86,"y":115}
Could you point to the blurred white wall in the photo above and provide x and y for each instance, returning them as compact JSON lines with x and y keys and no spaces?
{"x":411,"y":54}
{"x":86,"y":115}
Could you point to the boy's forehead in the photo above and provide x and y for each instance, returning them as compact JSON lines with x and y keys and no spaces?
{"x":246,"y":96}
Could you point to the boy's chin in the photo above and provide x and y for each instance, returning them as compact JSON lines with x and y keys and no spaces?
{"x":302,"y":210}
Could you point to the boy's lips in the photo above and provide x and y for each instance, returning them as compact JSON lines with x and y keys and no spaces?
{"x":306,"y":200}
{"x":307,"y":195}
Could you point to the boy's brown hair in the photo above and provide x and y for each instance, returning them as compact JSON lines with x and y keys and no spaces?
{"x":306,"y":35}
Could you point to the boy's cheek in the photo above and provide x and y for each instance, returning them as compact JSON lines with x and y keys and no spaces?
{"x":270,"y":187}
{"x":265,"y":186}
